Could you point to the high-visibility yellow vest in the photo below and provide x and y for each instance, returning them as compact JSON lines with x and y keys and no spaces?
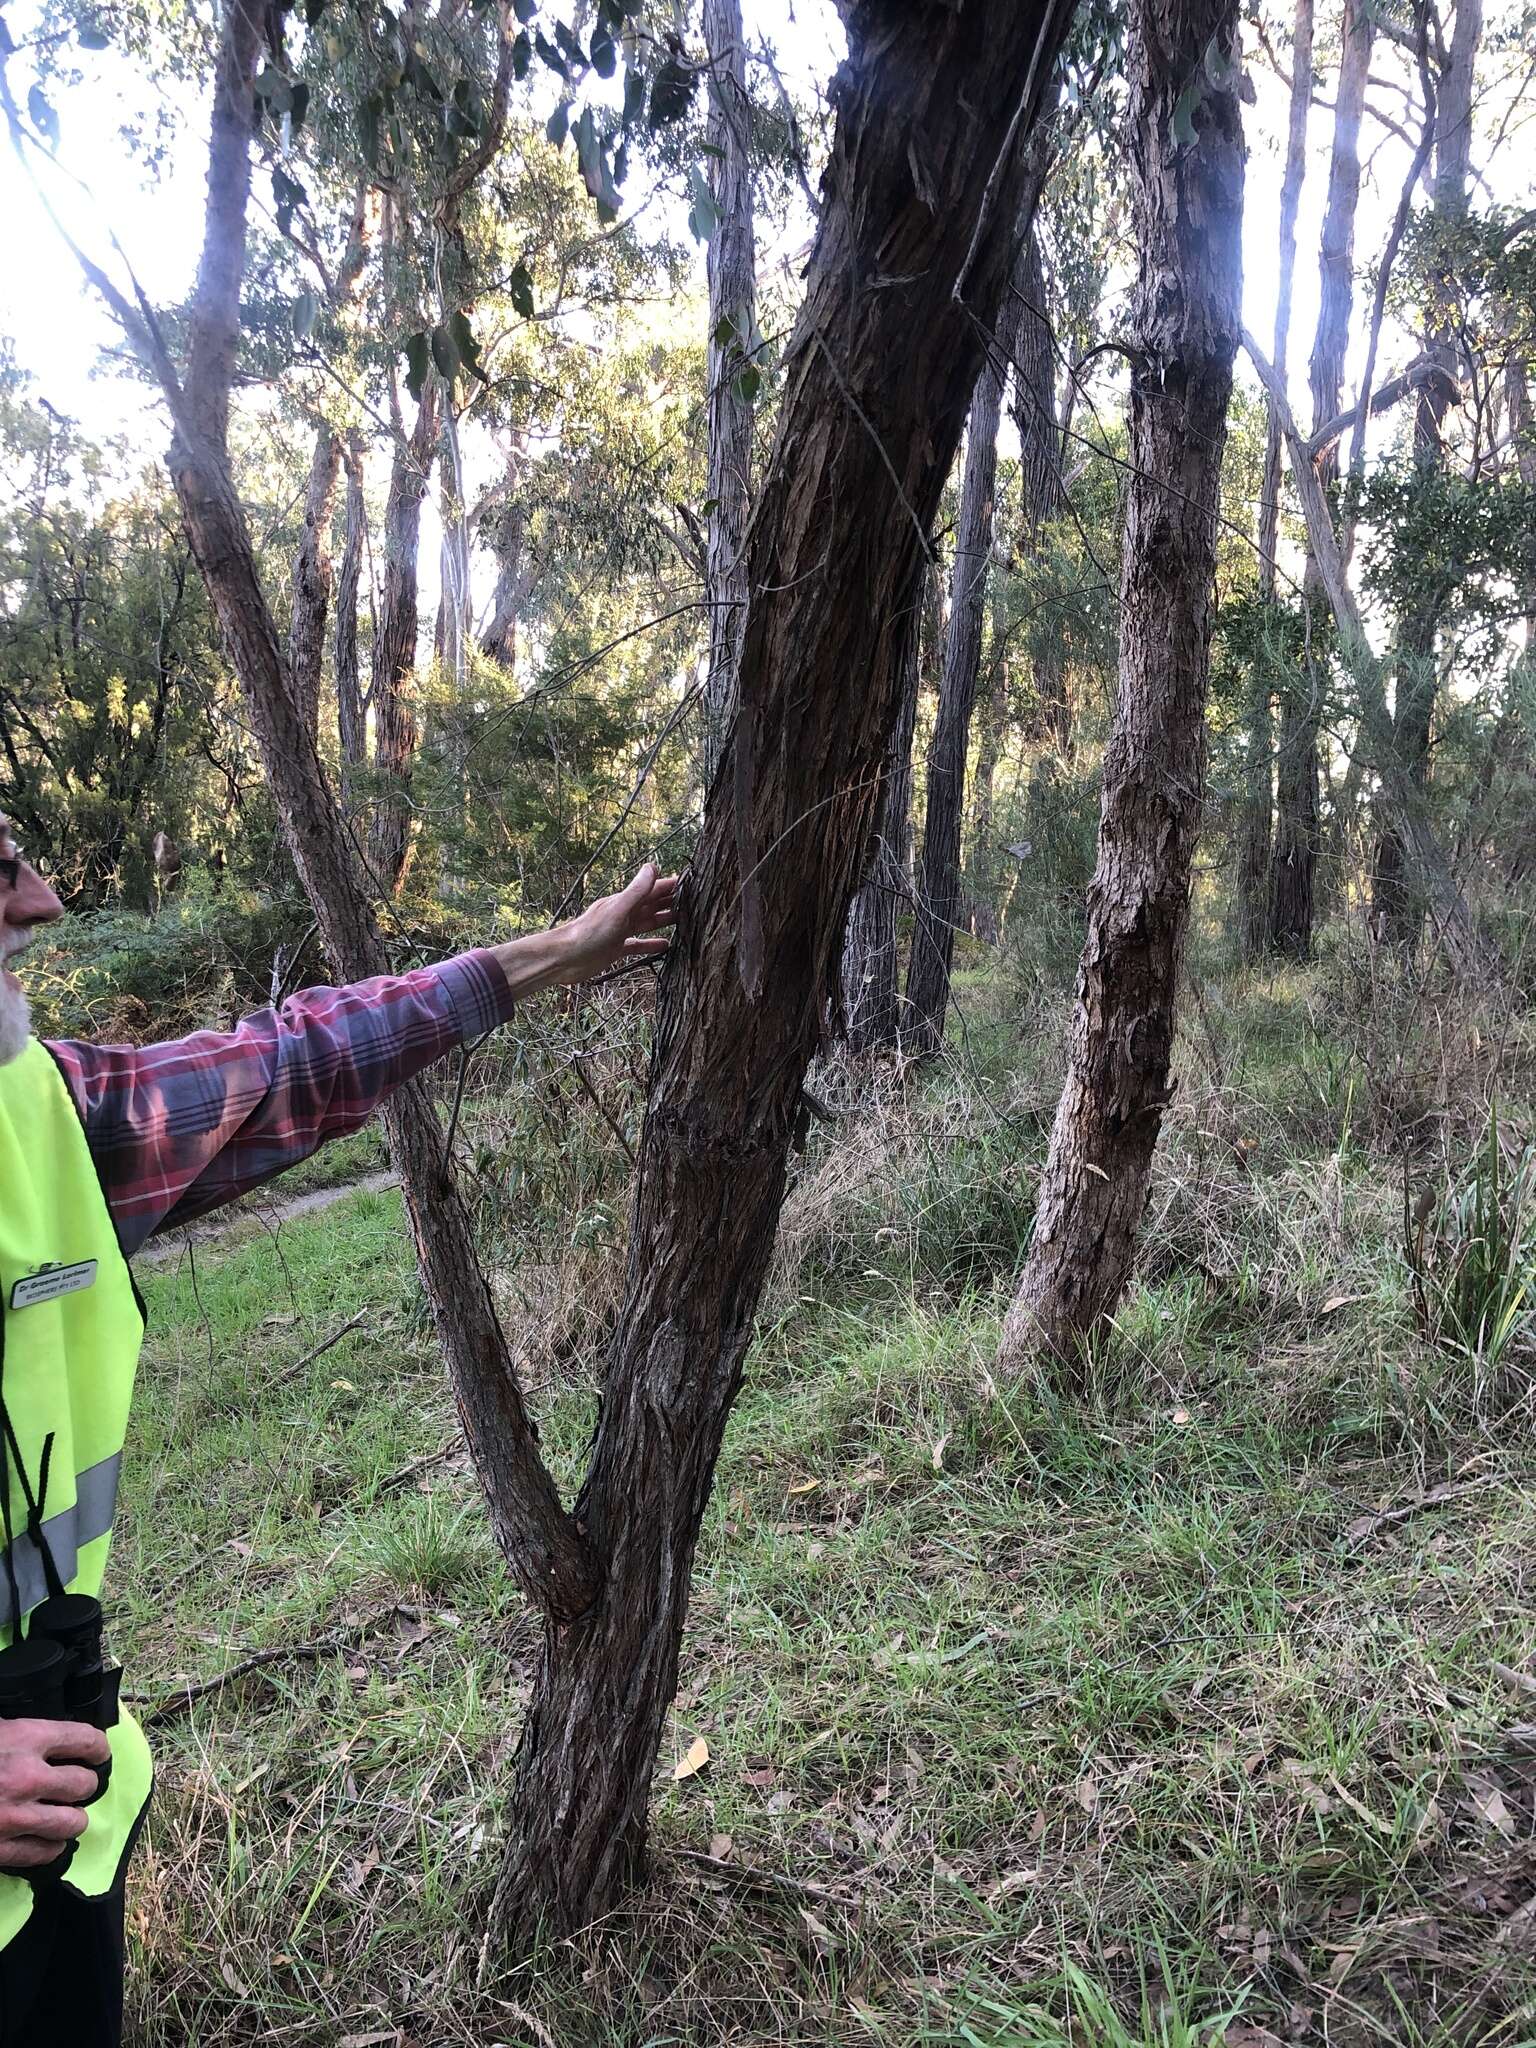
{"x":71,"y":1348}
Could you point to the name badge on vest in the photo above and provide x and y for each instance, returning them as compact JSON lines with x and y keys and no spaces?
{"x":53,"y":1281}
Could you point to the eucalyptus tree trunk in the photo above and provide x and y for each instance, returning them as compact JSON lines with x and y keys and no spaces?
{"x":1293,"y":880}
{"x":1399,"y":912}
{"x":939,"y":891}
{"x":934,"y":106}
{"x":871,"y":954}
{"x":1253,"y":872}
{"x":394,"y":645}
{"x":732,"y":270}
{"x":1183,"y":334}
{"x":312,"y":577}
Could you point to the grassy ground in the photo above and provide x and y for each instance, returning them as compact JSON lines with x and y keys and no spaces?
{"x":1111,"y":1720}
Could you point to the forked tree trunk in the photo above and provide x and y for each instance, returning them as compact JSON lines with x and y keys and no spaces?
{"x":939,"y":891}
{"x":923,"y":189}
{"x":1399,"y":911}
{"x":871,"y":954}
{"x":1183,"y":336}
{"x":732,"y":266}
{"x":394,"y":645}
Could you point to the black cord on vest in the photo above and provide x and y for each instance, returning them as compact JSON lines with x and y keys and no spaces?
{"x":11,"y":1449}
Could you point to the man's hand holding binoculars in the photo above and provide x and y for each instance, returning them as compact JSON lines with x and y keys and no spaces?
{"x":47,"y":1770}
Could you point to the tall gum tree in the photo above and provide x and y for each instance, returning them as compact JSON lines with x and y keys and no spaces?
{"x":1186,"y":149}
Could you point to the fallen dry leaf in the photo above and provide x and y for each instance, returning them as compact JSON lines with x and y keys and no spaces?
{"x":690,"y":1765}
{"x":720,"y":1847}
{"x":1335,"y":1302}
{"x":938,"y":1452}
{"x":805,"y":1486}
{"x":1087,"y":1793}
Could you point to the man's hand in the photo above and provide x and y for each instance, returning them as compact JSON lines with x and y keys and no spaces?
{"x":42,"y":1782}
{"x":614,"y":930}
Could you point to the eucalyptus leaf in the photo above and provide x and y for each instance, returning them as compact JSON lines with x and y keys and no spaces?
{"x":604,"y":53}
{"x":418,"y":360}
{"x":1184,"y":112}
{"x":465,"y":346}
{"x":93,"y":37}
{"x":634,"y":96}
{"x":522,"y":55}
{"x":520,"y":290}
{"x":549,"y":53}
{"x":703,"y":214}
{"x":558,"y":124}
{"x":306,"y":310}
{"x":445,"y":354}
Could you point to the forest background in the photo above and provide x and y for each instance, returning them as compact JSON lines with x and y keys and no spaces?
{"x":1129,"y":1648}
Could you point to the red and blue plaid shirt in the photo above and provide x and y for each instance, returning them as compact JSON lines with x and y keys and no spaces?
{"x":181,"y":1128}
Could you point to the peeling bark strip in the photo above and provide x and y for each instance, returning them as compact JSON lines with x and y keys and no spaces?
{"x":540,"y":1541}
{"x":933,"y":104}
{"x":1184,"y":334}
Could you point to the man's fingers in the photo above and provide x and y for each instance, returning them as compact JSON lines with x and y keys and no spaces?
{"x":50,"y":1823}
{"x":27,"y":1852}
{"x":75,"y":1742}
{"x":64,"y":1785}
{"x":644,"y":949}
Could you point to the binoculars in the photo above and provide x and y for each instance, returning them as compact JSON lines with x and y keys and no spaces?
{"x":59,"y":1674}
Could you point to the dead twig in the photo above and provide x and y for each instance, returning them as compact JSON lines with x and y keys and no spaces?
{"x":1361,"y":1530}
{"x":305,"y":1653}
{"x":747,"y":1877}
{"x":292,"y":1372}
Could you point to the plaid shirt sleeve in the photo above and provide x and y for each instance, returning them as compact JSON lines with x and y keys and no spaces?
{"x":181,"y":1128}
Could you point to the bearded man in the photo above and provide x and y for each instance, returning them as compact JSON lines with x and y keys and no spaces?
{"x":100,"y":1147}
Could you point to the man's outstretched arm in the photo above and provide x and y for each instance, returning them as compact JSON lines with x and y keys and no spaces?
{"x":180,"y":1128}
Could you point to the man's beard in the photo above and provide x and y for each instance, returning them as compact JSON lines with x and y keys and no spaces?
{"x":15,"y":1023}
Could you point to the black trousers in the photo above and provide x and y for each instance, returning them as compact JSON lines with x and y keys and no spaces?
{"x":61,"y":1979}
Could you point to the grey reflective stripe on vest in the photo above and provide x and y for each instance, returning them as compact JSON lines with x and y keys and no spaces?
{"x":68,"y":1532}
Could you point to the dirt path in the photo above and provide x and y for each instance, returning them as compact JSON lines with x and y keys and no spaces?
{"x":254,"y":1216}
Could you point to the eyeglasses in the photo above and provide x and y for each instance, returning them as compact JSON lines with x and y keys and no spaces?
{"x":10,"y":872}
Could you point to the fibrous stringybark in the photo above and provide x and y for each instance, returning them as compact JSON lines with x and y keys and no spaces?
{"x":1183,"y":336}
{"x":922,"y":193}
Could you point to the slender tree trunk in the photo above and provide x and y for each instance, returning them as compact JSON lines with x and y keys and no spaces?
{"x":1037,"y":418}
{"x":541,"y":1542}
{"x":1399,"y":913}
{"x":351,"y":715}
{"x":312,"y":579}
{"x":981,"y":866}
{"x":1183,"y":336}
{"x":933,"y":108}
{"x":939,"y":893}
{"x":1255,"y":851}
{"x":394,"y":646}
{"x":732,"y":268}
{"x":871,"y":955}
